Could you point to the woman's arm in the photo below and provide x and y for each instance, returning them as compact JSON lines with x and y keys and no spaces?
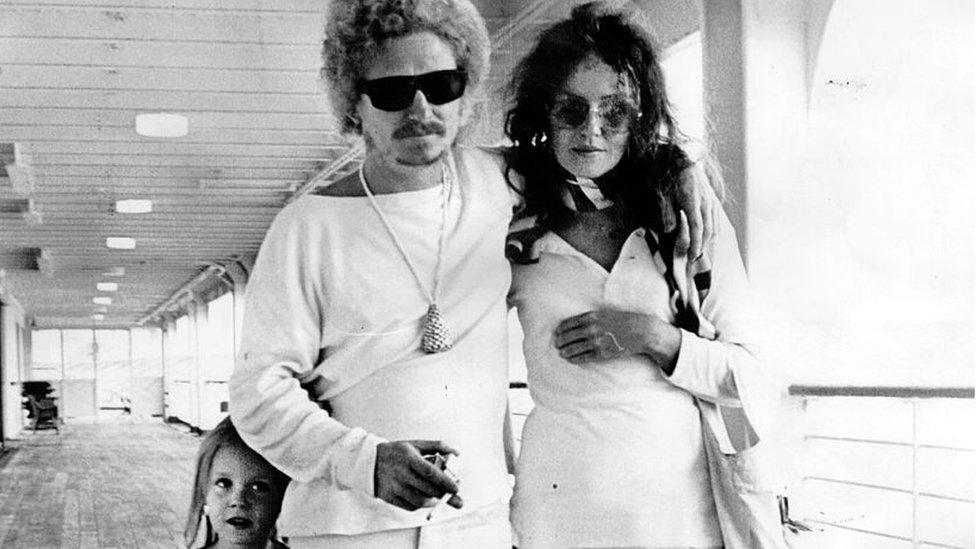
{"x":716,"y":369}
{"x":713,"y":370}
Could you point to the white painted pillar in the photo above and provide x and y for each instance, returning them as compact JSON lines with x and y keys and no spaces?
{"x":756,"y":66}
{"x":167,"y":327}
{"x":724,"y":102}
{"x":755,"y":70}
{"x":198,"y":330}
{"x":238,"y":273}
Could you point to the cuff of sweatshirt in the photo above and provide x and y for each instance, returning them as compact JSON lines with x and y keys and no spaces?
{"x":691,"y":364}
{"x":355,"y":468}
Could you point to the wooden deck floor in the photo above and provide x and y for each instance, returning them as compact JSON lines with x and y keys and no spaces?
{"x":116,"y":484}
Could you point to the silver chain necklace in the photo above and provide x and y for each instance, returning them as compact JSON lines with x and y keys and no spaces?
{"x":437,"y":336}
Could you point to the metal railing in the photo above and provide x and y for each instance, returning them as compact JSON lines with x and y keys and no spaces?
{"x":915,"y":397}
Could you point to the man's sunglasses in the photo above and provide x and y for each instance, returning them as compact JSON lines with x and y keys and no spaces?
{"x":395,"y":93}
{"x":617,"y":113}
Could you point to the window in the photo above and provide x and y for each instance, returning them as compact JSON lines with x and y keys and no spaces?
{"x":45,"y":355}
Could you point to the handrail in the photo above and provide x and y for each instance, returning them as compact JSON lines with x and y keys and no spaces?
{"x":881,"y":391}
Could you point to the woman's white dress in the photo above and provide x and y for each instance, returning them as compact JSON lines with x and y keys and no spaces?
{"x":612,"y":455}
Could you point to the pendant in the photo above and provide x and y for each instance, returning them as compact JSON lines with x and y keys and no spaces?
{"x":437,"y":336}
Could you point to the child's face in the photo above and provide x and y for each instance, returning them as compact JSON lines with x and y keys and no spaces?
{"x":242,"y":500}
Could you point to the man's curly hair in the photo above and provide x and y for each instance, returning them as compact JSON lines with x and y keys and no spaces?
{"x":357,"y":29}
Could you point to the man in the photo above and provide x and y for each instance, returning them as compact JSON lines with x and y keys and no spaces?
{"x":385,"y":293}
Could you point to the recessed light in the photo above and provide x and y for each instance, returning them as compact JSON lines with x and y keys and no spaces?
{"x":31,"y":214}
{"x":120,"y":243}
{"x":115,"y":271}
{"x":162,"y":124}
{"x":97,"y":316}
{"x":102,"y":300}
{"x":20,"y":172}
{"x":107,"y":287}
{"x":133,"y":206}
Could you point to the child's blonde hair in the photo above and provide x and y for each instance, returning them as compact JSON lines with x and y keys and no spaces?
{"x":222,"y":436}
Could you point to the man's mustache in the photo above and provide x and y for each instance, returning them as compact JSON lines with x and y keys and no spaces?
{"x":415,"y":128}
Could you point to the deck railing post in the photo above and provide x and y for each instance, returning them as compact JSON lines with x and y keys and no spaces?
{"x":914,"y":404}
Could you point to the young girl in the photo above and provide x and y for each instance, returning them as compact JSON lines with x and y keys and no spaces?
{"x":237,"y":491}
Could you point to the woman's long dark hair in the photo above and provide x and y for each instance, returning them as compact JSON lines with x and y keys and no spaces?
{"x":653,"y":161}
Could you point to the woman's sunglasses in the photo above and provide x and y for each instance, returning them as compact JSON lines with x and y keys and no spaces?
{"x":617,"y":113}
{"x":395,"y":93}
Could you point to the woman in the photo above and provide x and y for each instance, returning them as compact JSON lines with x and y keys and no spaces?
{"x":628,"y":377}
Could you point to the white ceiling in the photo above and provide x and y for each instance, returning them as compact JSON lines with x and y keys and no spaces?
{"x":73,"y":76}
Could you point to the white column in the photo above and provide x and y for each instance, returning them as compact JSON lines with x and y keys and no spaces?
{"x":724,"y":102}
{"x":238,"y":274}
{"x":755,"y":70}
{"x":198,"y":330}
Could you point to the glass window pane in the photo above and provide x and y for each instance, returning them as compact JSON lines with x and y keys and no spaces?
{"x":112,"y":362}
{"x":79,"y":354}
{"x":147,"y":352}
{"x":45,"y":355}
{"x":217,"y":360}
{"x":179,"y":359}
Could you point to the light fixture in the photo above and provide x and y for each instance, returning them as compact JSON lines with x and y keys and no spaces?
{"x":133,"y":206}
{"x":44,"y":262}
{"x":98,"y":316}
{"x":115,"y":271}
{"x":20,"y":172}
{"x":107,"y":286}
{"x":31,"y":214}
{"x":120,"y":243}
{"x":162,"y":124}
{"x":102,"y":300}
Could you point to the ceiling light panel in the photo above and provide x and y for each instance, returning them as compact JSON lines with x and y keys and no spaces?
{"x":133,"y":206}
{"x":162,"y":124}
{"x":120,"y":243}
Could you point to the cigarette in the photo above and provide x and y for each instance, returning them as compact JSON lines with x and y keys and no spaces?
{"x":441,"y":461}
{"x":444,"y":499}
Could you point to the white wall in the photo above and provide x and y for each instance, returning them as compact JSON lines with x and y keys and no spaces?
{"x":861,"y":200}
{"x":11,"y":365}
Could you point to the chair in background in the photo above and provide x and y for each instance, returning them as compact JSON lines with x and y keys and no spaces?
{"x":45,"y":413}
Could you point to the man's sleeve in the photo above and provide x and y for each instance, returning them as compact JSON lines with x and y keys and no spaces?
{"x":280,"y":341}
